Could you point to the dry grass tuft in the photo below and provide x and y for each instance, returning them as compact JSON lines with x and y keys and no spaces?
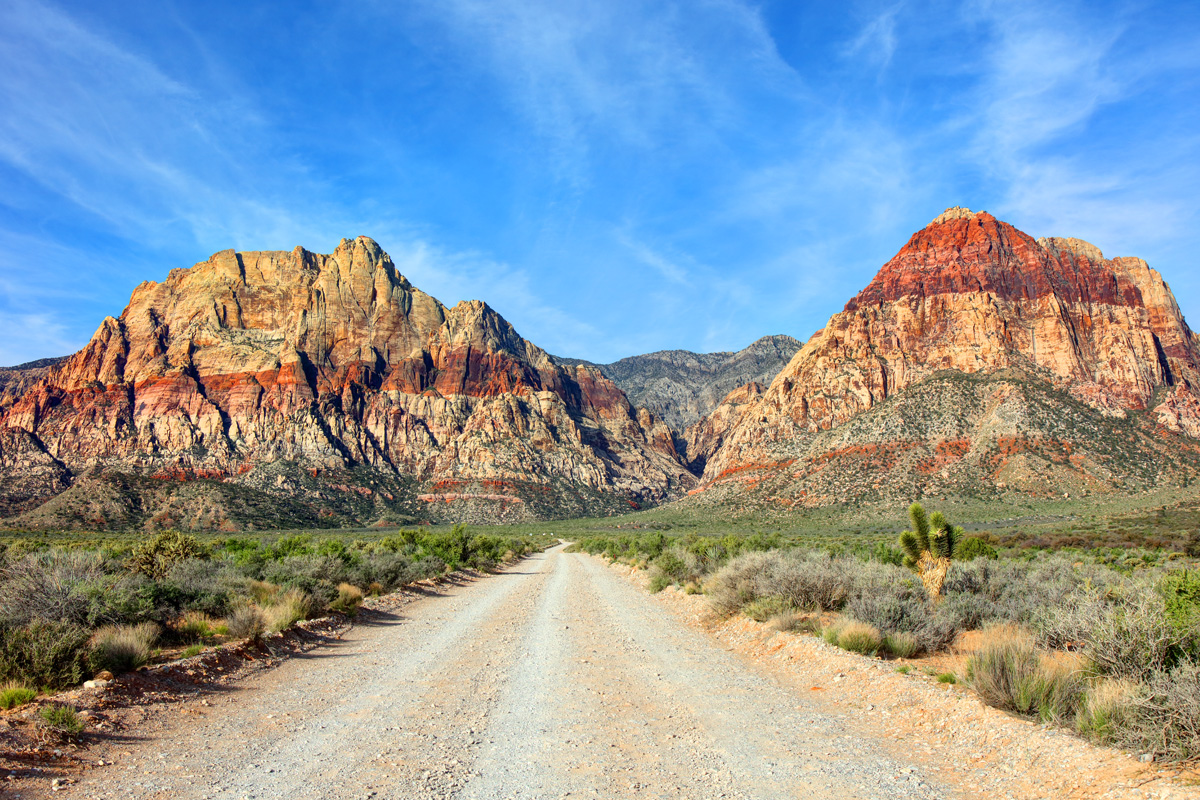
{"x":123,"y":648}
{"x":859,"y":637}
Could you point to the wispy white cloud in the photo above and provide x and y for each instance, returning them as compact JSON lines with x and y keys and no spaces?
{"x":29,"y":336}
{"x":664,"y":266}
{"x":876,"y":41}
{"x":1048,"y":78}
{"x":454,"y":276}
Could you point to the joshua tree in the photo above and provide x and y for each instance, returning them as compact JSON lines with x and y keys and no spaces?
{"x":928,"y":548}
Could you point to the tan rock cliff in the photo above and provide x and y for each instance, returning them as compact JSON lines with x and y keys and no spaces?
{"x":336,"y":362}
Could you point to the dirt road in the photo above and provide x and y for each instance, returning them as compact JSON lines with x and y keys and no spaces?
{"x":556,"y":678}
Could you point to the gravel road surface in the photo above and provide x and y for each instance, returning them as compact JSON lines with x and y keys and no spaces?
{"x":555,"y":678}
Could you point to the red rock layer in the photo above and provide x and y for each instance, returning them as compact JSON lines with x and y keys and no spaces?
{"x":974,"y":294}
{"x":333,"y":360}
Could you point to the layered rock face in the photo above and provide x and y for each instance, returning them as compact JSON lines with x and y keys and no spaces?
{"x":974,"y":295}
{"x":334,"y":363}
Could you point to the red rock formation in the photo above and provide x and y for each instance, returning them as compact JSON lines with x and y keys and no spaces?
{"x":973,"y":294}
{"x":333,"y":361}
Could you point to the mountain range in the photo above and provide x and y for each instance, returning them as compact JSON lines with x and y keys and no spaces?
{"x":276,"y":389}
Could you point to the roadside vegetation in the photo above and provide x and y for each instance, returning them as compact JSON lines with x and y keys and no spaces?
{"x":1104,"y":641}
{"x":68,"y":613}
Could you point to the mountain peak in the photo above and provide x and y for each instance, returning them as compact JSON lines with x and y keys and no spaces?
{"x":955,"y":212}
{"x":1062,"y":245}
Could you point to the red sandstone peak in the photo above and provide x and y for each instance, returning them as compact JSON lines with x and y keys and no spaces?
{"x":972,"y":293}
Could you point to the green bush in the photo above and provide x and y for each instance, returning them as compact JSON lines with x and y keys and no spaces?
{"x":1181,"y":597}
{"x":61,"y":720}
{"x":158,"y":556}
{"x":658,"y":583}
{"x":947,"y":677}
{"x":123,"y":648}
{"x":193,"y":650}
{"x":44,"y":653}
{"x":973,"y":547}
{"x":15,"y":694}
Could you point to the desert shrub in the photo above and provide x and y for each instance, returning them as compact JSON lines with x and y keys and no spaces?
{"x":289,"y":608}
{"x":964,"y":611}
{"x":1108,"y":710}
{"x":53,"y":585}
{"x":830,"y":632}
{"x":61,"y":720}
{"x":123,"y":648}
{"x":947,"y":677}
{"x":1058,"y":689}
{"x":1124,"y":637}
{"x":658,"y":583}
{"x":317,"y":574}
{"x":859,"y":637}
{"x":192,"y":650}
{"x":765,"y":608}
{"x":348,"y":599}
{"x":901,"y":613}
{"x":246,"y":621}
{"x":786,"y":621}
{"x":452,"y":547}
{"x":158,"y":556}
{"x":263,"y":592}
{"x":901,"y":644}
{"x":670,"y":566}
{"x":194,"y":626}
{"x":45,"y":653}
{"x":1167,"y":720}
{"x":209,"y":586}
{"x":15,"y":693}
{"x":972,"y":548}
{"x":1021,"y":591}
{"x":811,"y":581}
{"x":1002,"y":668}
{"x":1180,"y":591}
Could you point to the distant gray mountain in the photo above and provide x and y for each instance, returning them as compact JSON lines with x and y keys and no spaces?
{"x":682,"y":387}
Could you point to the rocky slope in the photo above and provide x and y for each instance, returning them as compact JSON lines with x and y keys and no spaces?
{"x":682,"y":387}
{"x":971,"y":295}
{"x":15,"y":380}
{"x":333,"y":382}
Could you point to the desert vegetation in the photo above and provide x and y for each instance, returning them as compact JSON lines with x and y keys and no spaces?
{"x":1106,"y":646}
{"x":68,"y":612}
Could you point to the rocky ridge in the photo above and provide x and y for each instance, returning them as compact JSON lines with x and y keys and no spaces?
{"x":332,"y":381}
{"x":970,"y":295}
{"x":682,"y":387}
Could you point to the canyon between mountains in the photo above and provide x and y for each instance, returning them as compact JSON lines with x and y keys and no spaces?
{"x":266,"y":390}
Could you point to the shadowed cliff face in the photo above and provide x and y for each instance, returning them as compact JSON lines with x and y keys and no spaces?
{"x":334,"y":362}
{"x":972,"y":294}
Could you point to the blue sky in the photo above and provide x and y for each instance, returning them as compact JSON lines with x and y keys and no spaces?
{"x":614,"y":177}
